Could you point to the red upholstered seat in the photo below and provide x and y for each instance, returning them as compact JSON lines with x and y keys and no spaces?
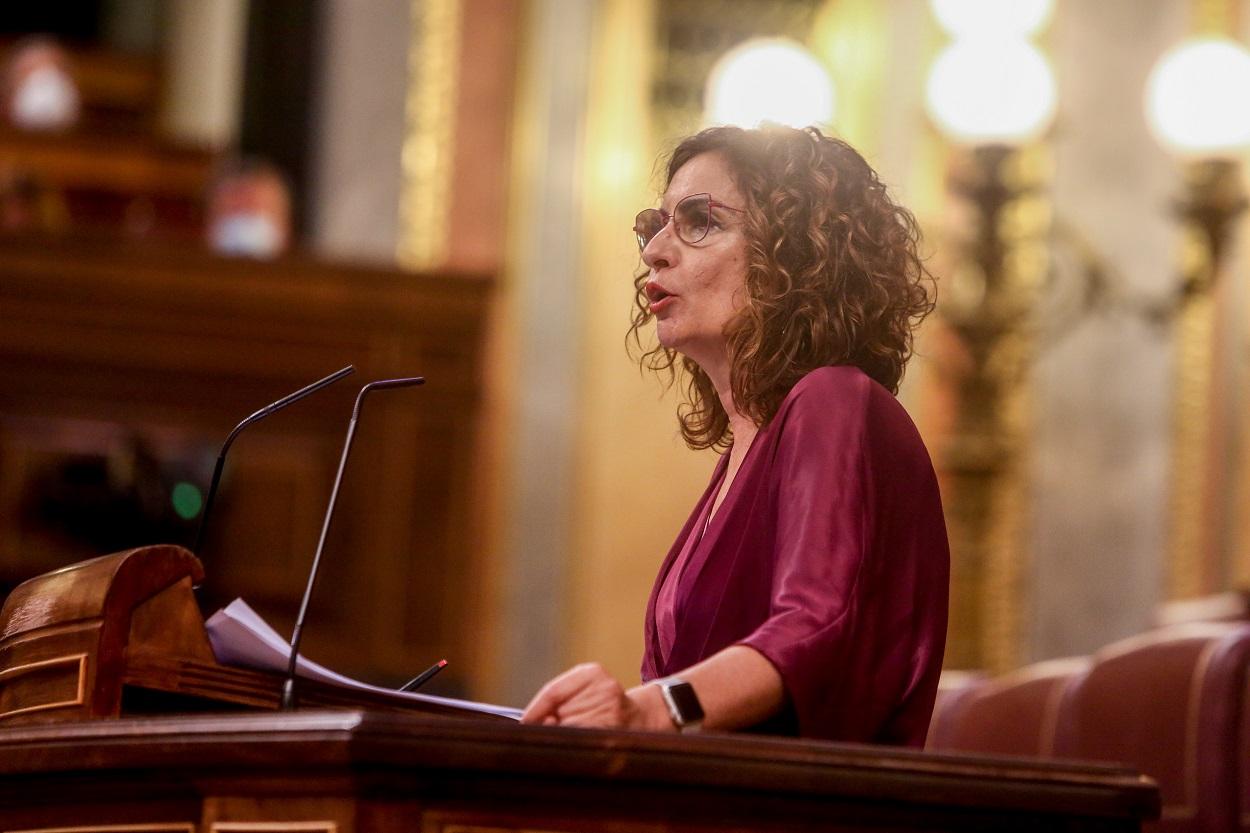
{"x":1168,"y":703}
{"x":1015,"y":714}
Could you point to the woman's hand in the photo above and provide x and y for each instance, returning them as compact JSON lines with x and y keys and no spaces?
{"x":737,"y":687}
{"x":588,"y":696}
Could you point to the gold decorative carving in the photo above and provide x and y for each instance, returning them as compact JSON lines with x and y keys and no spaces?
{"x":478,"y":828}
{"x":160,"y":827}
{"x":429,"y":141}
{"x":274,"y":827}
{"x":10,"y":675}
{"x":1003,"y":600}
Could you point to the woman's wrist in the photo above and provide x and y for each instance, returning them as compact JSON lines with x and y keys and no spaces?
{"x":651,"y":709}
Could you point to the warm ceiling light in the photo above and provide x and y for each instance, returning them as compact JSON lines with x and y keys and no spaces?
{"x":972,"y":18}
{"x":991,"y":91}
{"x":774,"y":80}
{"x":1195,"y":97}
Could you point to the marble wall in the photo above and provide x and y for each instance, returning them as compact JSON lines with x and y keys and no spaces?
{"x":359,"y":133}
{"x":1102,"y":393}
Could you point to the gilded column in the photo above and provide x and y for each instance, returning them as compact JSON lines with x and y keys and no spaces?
{"x":429,"y":141}
{"x":1213,"y":200}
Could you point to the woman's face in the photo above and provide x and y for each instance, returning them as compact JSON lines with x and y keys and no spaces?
{"x":695,"y":289}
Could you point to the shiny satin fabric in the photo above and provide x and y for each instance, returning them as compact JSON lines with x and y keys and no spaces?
{"x":828,"y":556}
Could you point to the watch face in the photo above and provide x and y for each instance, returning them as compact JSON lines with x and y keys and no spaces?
{"x":686,"y":702}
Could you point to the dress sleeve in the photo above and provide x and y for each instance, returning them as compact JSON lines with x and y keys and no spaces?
{"x":842,"y":630}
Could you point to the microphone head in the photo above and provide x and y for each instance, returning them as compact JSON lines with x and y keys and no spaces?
{"x":396,"y":383}
{"x":384,"y":384}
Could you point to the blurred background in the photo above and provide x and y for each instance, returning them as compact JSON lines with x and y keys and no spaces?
{"x":204,"y":206}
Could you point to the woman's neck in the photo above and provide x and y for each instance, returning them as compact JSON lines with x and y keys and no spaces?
{"x":743,"y":433}
{"x":743,"y":427}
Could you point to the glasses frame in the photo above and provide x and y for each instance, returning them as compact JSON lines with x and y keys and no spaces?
{"x":668,"y":218}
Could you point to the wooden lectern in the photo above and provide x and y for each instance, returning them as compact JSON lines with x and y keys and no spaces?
{"x":87,"y":650}
{"x":122,"y":635}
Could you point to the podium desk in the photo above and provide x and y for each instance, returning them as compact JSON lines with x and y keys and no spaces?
{"x":347,"y":771}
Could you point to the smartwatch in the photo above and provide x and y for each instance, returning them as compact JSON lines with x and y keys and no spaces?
{"x":683,"y":703}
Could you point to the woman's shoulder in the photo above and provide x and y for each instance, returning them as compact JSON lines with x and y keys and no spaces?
{"x":842,"y":384}
{"x":842,"y":406}
{"x":840,"y":395}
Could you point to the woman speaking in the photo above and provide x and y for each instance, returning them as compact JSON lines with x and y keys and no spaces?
{"x":807,"y":593}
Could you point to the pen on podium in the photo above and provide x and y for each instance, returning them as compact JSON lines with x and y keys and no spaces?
{"x":424,"y":677}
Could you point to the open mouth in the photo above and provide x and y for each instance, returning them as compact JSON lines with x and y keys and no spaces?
{"x":657,"y":293}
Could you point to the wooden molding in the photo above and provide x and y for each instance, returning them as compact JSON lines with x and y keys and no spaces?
{"x":10,"y":679}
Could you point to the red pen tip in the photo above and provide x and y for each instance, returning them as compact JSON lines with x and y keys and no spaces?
{"x":441,"y":663}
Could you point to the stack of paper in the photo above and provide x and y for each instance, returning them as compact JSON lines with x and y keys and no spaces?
{"x":240,"y":637}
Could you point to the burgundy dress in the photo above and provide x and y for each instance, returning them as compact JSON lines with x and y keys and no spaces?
{"x":829,"y":557}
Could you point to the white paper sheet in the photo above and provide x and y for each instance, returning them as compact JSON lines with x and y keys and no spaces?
{"x":240,"y":637}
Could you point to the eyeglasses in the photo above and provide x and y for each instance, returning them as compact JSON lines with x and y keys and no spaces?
{"x":691,"y":218}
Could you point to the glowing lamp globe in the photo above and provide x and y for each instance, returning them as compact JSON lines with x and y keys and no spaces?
{"x":991,"y":91}
{"x":992,"y":18}
{"x":774,"y":80}
{"x":1196,"y":98}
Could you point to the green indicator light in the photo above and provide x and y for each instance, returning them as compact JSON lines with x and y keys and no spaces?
{"x":187,"y":500}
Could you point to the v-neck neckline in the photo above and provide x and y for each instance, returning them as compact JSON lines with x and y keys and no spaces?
{"x":695,"y":550}
{"x":715,"y":511}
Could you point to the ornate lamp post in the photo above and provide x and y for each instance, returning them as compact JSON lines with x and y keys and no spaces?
{"x":991,"y":93}
{"x":1195,"y":108}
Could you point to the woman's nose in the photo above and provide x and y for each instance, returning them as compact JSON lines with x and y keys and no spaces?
{"x":660,"y":252}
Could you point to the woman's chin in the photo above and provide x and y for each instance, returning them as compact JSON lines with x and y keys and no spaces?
{"x":668,"y":337}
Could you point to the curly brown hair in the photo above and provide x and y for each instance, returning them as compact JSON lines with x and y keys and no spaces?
{"x":834,"y":275}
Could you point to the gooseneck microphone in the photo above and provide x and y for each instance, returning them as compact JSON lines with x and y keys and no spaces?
{"x":288,"y":685}
{"x":257,"y":417}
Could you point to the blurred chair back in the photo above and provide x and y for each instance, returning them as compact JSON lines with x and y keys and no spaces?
{"x":1169,"y":703}
{"x":1015,"y":714}
{"x":954,"y":689}
{"x":1231,"y":606}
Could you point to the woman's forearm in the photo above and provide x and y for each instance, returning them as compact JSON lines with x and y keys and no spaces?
{"x":737,"y":688}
